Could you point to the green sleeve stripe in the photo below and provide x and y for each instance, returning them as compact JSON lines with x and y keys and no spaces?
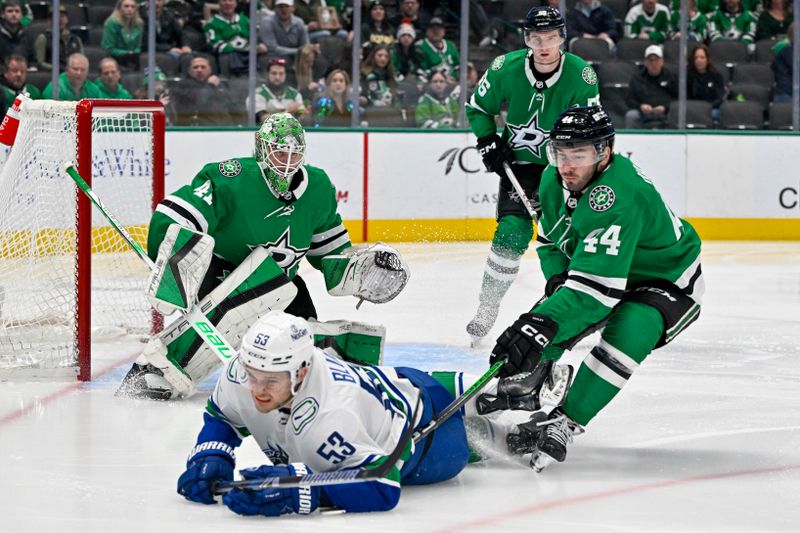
{"x":211,"y":409}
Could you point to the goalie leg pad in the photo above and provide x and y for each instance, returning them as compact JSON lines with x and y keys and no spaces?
{"x":254,"y":288}
{"x":375,"y":273}
{"x":183,"y":259}
{"x":356,"y":342}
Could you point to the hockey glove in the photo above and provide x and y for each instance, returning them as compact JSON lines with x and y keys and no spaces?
{"x":375,"y":273}
{"x":183,"y":259}
{"x":495,"y":152}
{"x":523,"y":343}
{"x":273,"y":502}
{"x":209,"y":462}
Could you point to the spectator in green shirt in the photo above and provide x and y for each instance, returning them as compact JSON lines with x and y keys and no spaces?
{"x":73,"y":84}
{"x":108,"y":83}
{"x":122,"y":34}
{"x":13,"y":81}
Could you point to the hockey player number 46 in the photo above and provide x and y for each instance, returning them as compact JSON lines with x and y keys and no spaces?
{"x":609,"y":238}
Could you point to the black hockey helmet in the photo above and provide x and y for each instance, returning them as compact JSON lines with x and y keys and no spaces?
{"x":544,"y":18}
{"x":579,"y":126}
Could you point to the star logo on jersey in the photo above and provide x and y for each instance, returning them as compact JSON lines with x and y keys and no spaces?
{"x":230,"y":168}
{"x":589,"y":75}
{"x":528,"y":136}
{"x":286,"y":255}
{"x":601,"y":198}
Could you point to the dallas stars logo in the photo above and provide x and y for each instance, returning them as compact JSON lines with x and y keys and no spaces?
{"x":528,"y":136}
{"x":286,"y":255}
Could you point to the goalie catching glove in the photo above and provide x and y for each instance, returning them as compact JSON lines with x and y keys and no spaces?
{"x":375,"y":273}
{"x":183,"y":259}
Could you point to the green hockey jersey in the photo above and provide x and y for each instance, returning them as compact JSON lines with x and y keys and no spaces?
{"x":655,"y":25}
{"x":734,"y":26}
{"x":621,"y":233}
{"x":224,"y":36}
{"x":533,"y":105}
{"x":430,"y":58}
{"x":231,"y":201}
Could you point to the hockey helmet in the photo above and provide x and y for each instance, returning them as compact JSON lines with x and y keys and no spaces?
{"x":543,"y":18}
{"x":278,"y":342}
{"x":280,"y":150}
{"x":581,"y":126}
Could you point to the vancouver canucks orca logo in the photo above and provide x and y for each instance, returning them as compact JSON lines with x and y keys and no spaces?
{"x":281,"y":250}
{"x":528,"y":136}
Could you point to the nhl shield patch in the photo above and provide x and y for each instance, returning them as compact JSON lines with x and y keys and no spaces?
{"x":230,"y":168}
{"x":497,"y":64}
{"x":589,"y":76}
{"x":601,"y":198}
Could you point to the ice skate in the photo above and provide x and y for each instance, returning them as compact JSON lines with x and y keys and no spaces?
{"x":482,"y":323}
{"x":145,"y":382}
{"x":556,"y":433}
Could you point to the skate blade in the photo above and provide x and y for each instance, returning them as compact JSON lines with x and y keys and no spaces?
{"x":540,"y":461}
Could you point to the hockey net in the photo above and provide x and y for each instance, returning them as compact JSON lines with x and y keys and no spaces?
{"x":66,"y":278}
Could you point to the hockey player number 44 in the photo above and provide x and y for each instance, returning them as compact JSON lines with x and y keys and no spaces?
{"x":609,"y":238}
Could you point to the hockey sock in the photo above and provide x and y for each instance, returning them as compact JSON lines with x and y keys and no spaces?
{"x":628,"y":338}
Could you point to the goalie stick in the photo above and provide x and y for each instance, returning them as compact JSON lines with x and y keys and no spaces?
{"x":357,"y":475}
{"x":207,"y":331}
{"x":520,"y":191}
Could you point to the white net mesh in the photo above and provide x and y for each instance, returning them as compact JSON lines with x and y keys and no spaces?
{"x":38,"y":224}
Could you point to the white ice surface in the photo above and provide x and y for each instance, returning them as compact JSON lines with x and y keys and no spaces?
{"x":705,"y":437}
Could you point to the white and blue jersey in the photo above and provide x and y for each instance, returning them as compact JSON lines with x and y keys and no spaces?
{"x":345,"y":416}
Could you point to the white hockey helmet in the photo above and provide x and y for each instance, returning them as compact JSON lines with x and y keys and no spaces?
{"x":278,"y":342}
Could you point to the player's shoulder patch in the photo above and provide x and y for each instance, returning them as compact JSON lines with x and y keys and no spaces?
{"x":230,"y":168}
{"x":589,"y":75}
{"x":302,"y":415}
{"x":601,"y":198}
{"x":498,"y":62}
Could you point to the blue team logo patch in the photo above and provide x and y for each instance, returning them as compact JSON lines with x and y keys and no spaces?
{"x":589,"y":76}
{"x":303,"y":414}
{"x":498,"y":62}
{"x":230,"y":168}
{"x":601,"y":198}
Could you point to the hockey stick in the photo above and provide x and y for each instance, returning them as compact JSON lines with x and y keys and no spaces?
{"x":207,"y":331}
{"x":520,"y":191}
{"x":459,"y":402}
{"x":360,"y":474}
{"x":338,"y":477}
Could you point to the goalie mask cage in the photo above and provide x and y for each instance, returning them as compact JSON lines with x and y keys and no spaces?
{"x":66,"y":277}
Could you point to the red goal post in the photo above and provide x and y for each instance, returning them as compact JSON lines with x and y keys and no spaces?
{"x":66,"y":278}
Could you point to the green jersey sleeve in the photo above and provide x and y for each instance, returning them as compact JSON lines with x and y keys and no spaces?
{"x":486,"y":101}
{"x":329,"y":237}
{"x":195,"y":206}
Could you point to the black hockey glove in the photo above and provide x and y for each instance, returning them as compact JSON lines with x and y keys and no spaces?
{"x":495,"y":152}
{"x":554,"y":283}
{"x":523,"y":343}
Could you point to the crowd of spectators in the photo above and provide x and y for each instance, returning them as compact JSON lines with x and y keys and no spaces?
{"x":409,"y":60}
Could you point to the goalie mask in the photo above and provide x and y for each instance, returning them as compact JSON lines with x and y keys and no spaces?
{"x":280,"y":150}
{"x":278,"y":342}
